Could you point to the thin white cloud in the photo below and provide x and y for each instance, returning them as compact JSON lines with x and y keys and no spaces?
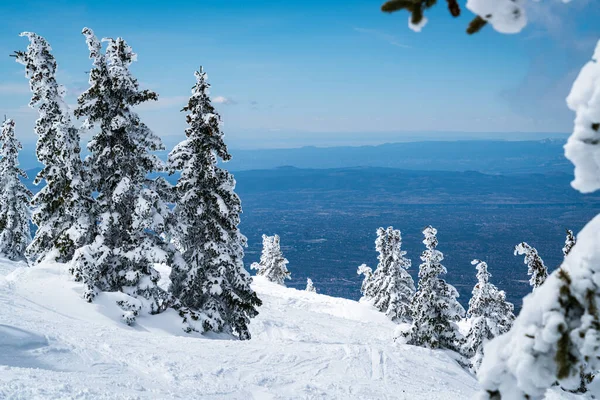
{"x":386,"y":37}
{"x":14,"y":88}
{"x":21,"y":111}
{"x":224,"y":100}
{"x":164,"y":102}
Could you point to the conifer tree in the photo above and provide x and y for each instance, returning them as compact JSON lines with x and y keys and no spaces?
{"x":63,"y":205}
{"x":367,"y":271}
{"x":489,"y":315}
{"x":130,"y":214}
{"x":569,"y":242}
{"x":556,"y":337}
{"x":15,"y":233}
{"x":272,"y":265}
{"x":213,"y":286}
{"x":309,"y":286}
{"x":434,"y":308}
{"x":506,"y":16}
{"x":535,"y":264}
{"x":390,"y":288}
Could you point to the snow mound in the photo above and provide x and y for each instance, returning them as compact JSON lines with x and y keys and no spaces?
{"x":54,"y":345}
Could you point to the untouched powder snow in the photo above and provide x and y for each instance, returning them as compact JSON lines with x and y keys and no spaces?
{"x":304,"y":346}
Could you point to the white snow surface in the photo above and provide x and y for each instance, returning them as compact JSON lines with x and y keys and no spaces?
{"x":54,"y":345}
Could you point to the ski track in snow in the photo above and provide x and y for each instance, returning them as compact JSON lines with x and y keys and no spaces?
{"x":54,"y":345}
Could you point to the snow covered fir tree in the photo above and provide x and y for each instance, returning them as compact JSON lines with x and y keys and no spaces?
{"x":569,"y":243}
{"x":489,"y":315}
{"x":15,"y":234}
{"x":63,"y":205}
{"x":535,"y":265}
{"x":212,"y":284}
{"x":434,"y":309}
{"x":390,"y":288}
{"x":555,"y":340}
{"x":310,"y":287}
{"x":129,"y":214}
{"x":272,"y":264}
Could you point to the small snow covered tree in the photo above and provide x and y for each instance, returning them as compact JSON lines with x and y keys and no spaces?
{"x":272,"y":265}
{"x":15,"y":233}
{"x":367,"y":271}
{"x":489,"y":315}
{"x":130,"y":213}
{"x":309,"y":286}
{"x":390,"y":288}
{"x":569,"y":242}
{"x":535,"y":264}
{"x":556,"y":337}
{"x":213,"y":282}
{"x":63,"y":206}
{"x":434,"y":308}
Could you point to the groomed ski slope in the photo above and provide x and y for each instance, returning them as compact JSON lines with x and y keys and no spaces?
{"x":54,"y":345}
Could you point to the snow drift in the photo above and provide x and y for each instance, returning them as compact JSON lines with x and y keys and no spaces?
{"x":304,"y":345}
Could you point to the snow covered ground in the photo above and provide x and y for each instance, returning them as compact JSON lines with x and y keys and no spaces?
{"x":305,"y":346}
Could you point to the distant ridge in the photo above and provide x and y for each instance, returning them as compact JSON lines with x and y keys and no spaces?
{"x":487,"y":156}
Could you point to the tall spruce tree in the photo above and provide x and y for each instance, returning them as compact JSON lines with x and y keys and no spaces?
{"x":390,"y":288}
{"x":213,"y":286}
{"x":489,"y":315}
{"x":569,"y":242}
{"x":272,"y":265}
{"x":434,"y":308}
{"x":535,"y":264}
{"x":130,"y":213}
{"x":63,"y":205}
{"x":15,"y":234}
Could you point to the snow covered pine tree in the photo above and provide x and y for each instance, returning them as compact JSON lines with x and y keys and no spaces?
{"x":556,"y":337}
{"x":535,"y":264}
{"x":390,"y":288}
{"x":272,"y":265}
{"x":489,"y":315}
{"x":63,"y":205}
{"x":309,"y":286}
{"x":15,"y":233}
{"x":213,"y":286}
{"x":569,"y":243}
{"x":130,"y":214}
{"x":434,"y":308}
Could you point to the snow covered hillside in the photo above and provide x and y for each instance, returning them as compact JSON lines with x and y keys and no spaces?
{"x":304,"y":346}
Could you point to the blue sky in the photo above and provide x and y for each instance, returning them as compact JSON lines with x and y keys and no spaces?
{"x":315,"y":72}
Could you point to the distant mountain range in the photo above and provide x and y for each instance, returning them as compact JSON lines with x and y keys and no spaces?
{"x":487,"y":156}
{"x":495,"y":157}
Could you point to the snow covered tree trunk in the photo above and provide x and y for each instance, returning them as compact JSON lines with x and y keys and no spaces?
{"x":390,"y":288}
{"x":272,"y":265}
{"x":63,"y":206}
{"x":309,"y":286}
{"x":535,"y":265}
{"x":130,"y":214}
{"x":212,"y":285}
{"x":556,"y":337}
{"x":15,"y":233}
{"x":434,"y":308}
{"x":489,"y":315}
